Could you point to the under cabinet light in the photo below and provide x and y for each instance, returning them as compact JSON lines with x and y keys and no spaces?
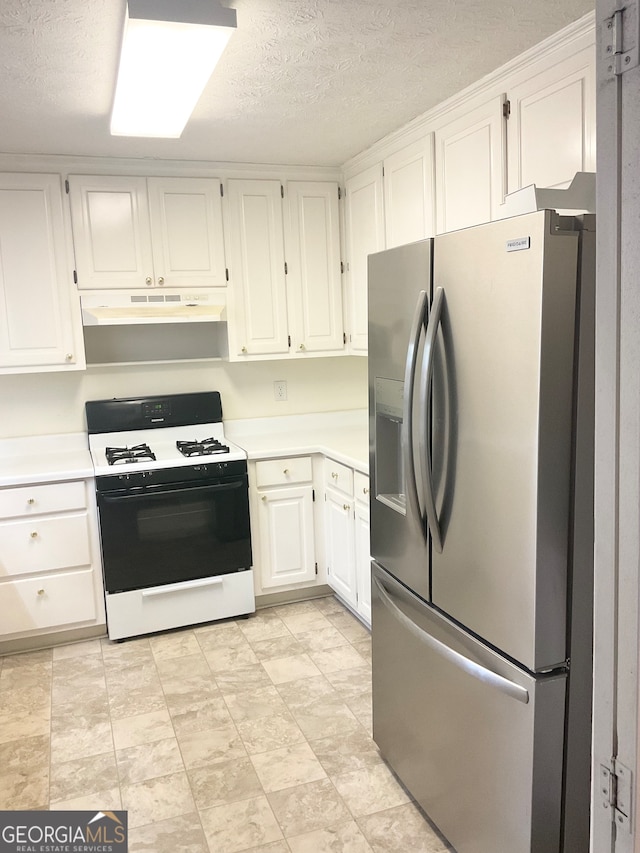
{"x":169,"y":50}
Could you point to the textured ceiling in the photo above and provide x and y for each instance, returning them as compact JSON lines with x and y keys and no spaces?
{"x":302,"y":81}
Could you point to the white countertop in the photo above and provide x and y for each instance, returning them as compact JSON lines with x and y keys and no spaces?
{"x":343,"y":436}
{"x":44,"y":459}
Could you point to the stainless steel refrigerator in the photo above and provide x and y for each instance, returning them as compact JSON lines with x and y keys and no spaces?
{"x":481,"y":359}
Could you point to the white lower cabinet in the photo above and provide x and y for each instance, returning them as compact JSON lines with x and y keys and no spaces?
{"x":347,"y":536}
{"x":50,"y":575}
{"x":282,"y":523}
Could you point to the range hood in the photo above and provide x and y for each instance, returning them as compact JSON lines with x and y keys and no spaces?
{"x":134,"y":307}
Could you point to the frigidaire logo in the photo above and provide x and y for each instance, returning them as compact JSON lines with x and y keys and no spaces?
{"x":63,"y":832}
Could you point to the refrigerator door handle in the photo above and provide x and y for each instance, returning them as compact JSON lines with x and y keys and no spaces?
{"x":426,"y":381}
{"x":509,"y":688}
{"x":417,"y":326}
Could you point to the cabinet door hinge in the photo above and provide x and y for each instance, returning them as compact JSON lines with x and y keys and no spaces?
{"x":286,"y":268}
{"x":226,"y":273}
{"x":313,"y":497}
{"x":221,"y":191}
{"x":289,"y":340}
{"x":75,"y":276}
{"x":316,"y":568}
{"x":281,"y":191}
{"x":66,"y":187}
{"x":621,"y":39}
{"x":506,"y":109}
{"x":616,"y":791}
{"x":339,"y":193}
{"x":344,"y":338}
{"x":341,"y":267}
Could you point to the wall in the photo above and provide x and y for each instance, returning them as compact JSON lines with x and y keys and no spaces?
{"x":36,"y":404}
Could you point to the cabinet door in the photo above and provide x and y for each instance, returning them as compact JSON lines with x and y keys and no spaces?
{"x":186,"y":232}
{"x":257,"y":278}
{"x":287,"y":552}
{"x":111,"y":232}
{"x":313,"y":260}
{"x":470,"y":167}
{"x":409,"y":196}
{"x":365,"y":234}
{"x":38,"y":324}
{"x":363,"y":560}
{"x":551,"y":128}
{"x":341,"y":569}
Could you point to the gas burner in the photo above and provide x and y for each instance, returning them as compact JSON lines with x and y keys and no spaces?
{"x":128,"y":454}
{"x":201,"y":448}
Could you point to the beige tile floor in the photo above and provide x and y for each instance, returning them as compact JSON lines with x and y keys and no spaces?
{"x":244,"y":735}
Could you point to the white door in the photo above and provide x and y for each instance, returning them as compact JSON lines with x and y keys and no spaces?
{"x":341,"y":569}
{"x":286,"y":536}
{"x":365,"y":234}
{"x":617,"y":436}
{"x":469,"y":155}
{"x":38,"y":324}
{"x":186,"y":232}
{"x":257,"y":273}
{"x":409,"y":194}
{"x":111,"y":232}
{"x":313,"y":259}
{"x":551,"y":126}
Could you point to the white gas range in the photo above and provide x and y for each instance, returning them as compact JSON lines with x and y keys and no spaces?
{"x":173,"y":505}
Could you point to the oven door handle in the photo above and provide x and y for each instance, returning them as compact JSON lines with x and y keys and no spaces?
{"x":162,"y":489}
{"x":181,"y":587}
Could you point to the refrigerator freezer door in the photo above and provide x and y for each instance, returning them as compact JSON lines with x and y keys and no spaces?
{"x":502,"y":411}
{"x":399,"y":294}
{"x":477,"y":741}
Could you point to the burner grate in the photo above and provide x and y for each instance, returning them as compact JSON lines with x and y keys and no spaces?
{"x":128,"y":454}
{"x":206,"y":447}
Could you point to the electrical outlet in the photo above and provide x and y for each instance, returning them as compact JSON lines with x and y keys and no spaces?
{"x":280,"y":389}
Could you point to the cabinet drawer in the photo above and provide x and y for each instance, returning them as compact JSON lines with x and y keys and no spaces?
{"x":338,"y":476}
{"x":44,"y":544}
{"x":278,"y":472}
{"x":361,"y":486}
{"x":31,"y":603}
{"x":49,"y":497}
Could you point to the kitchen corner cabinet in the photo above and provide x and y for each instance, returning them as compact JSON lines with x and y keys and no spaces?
{"x":50,"y":574}
{"x":470,"y":166}
{"x":284,"y":260}
{"x":282,"y":497}
{"x":365,"y":225}
{"x":40,"y":325}
{"x":409,"y":193}
{"x":135,"y":232}
{"x":347,"y":536}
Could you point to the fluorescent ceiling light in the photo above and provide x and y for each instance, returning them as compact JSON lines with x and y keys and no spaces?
{"x":169,"y":50}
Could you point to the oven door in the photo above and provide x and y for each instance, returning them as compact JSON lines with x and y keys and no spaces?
{"x":162,"y":534}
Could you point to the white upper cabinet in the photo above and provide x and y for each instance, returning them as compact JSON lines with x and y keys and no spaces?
{"x":470,"y":166}
{"x":313,"y":267}
{"x":133,"y":232}
{"x":365,"y":234}
{"x":551,"y":127}
{"x":257,"y":273}
{"x":409,"y":194}
{"x":284,"y":259}
{"x":40,"y":327}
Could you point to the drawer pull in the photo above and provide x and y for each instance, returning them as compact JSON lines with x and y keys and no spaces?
{"x":40,"y":592}
{"x":34,"y":534}
{"x":334,"y":475}
{"x":286,"y":472}
{"x":31,"y":501}
{"x":346,"y":507}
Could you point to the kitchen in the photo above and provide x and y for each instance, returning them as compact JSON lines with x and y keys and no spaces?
{"x":247,"y":390}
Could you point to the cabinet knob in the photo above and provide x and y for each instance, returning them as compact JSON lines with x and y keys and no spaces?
{"x":69,"y":356}
{"x":34,"y":534}
{"x":346,"y":507}
{"x":334,"y":475}
{"x":148,"y":281}
{"x":31,"y":501}
{"x":264,"y":497}
{"x":40,"y":592}
{"x":244,"y":349}
{"x":365,"y":490}
{"x":161,"y":281}
{"x":302,"y":347}
{"x":286,"y":472}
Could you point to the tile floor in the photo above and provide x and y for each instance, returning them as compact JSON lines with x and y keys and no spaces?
{"x":245,"y":735}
